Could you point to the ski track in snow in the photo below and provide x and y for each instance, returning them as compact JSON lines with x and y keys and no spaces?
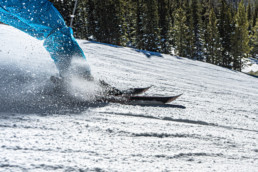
{"x":212,"y":127}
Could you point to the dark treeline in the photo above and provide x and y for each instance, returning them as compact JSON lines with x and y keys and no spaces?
{"x":221,"y":32}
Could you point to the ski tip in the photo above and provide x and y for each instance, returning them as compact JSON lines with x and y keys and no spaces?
{"x":150,"y":86}
{"x":173,"y":98}
{"x":147,"y":88}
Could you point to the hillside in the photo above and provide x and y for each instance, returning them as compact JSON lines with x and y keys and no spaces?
{"x":212,"y":127}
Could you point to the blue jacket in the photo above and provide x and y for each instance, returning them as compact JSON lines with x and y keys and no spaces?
{"x":40,"y":19}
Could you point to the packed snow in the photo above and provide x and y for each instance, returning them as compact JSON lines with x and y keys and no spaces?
{"x":251,"y":66}
{"x":213,"y":126}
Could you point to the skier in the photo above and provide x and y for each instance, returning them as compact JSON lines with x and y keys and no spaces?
{"x":40,"y":19}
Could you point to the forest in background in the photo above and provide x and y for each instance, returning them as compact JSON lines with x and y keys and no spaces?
{"x":221,"y":32}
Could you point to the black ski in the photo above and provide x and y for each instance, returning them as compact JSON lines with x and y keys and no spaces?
{"x":134,"y":91}
{"x":140,"y":99}
{"x":152,"y":99}
{"x":113,"y":91}
{"x":128,"y":96}
{"x":110,"y":91}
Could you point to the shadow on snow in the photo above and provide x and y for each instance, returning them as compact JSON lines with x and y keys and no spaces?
{"x":187,"y":121}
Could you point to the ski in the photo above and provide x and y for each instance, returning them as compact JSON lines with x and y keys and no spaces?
{"x":152,"y":99}
{"x":110,"y":91}
{"x":113,"y":91}
{"x":134,"y":91}
{"x":140,"y":100}
{"x":128,"y":96}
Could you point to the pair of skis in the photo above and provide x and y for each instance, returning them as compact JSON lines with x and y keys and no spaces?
{"x":131,"y":96}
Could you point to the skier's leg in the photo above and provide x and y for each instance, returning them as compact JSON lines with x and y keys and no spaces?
{"x":40,"y":19}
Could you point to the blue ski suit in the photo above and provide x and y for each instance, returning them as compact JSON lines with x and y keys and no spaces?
{"x":40,"y":19}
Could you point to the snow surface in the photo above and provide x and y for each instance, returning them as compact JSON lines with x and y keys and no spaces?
{"x":212,"y":127}
{"x":251,"y":66}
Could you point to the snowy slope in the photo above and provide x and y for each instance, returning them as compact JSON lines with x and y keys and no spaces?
{"x":212,"y":127}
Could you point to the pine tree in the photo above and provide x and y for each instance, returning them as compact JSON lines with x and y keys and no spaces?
{"x":212,"y":45}
{"x":151,"y":30}
{"x":65,"y":8}
{"x":165,"y":26}
{"x":115,"y":22}
{"x":249,"y":17}
{"x":241,"y":37}
{"x":190,"y":34}
{"x":90,"y":21}
{"x":225,"y":30}
{"x":254,"y":41}
{"x":99,"y":19}
{"x":121,"y":37}
{"x":130,"y":22}
{"x":180,"y":29}
{"x":195,"y":8}
{"x":173,"y":5}
{"x":206,"y":7}
{"x":255,"y":16}
{"x":108,"y":19}
{"x":203,"y":24}
{"x":140,"y":8}
{"x":80,"y":20}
